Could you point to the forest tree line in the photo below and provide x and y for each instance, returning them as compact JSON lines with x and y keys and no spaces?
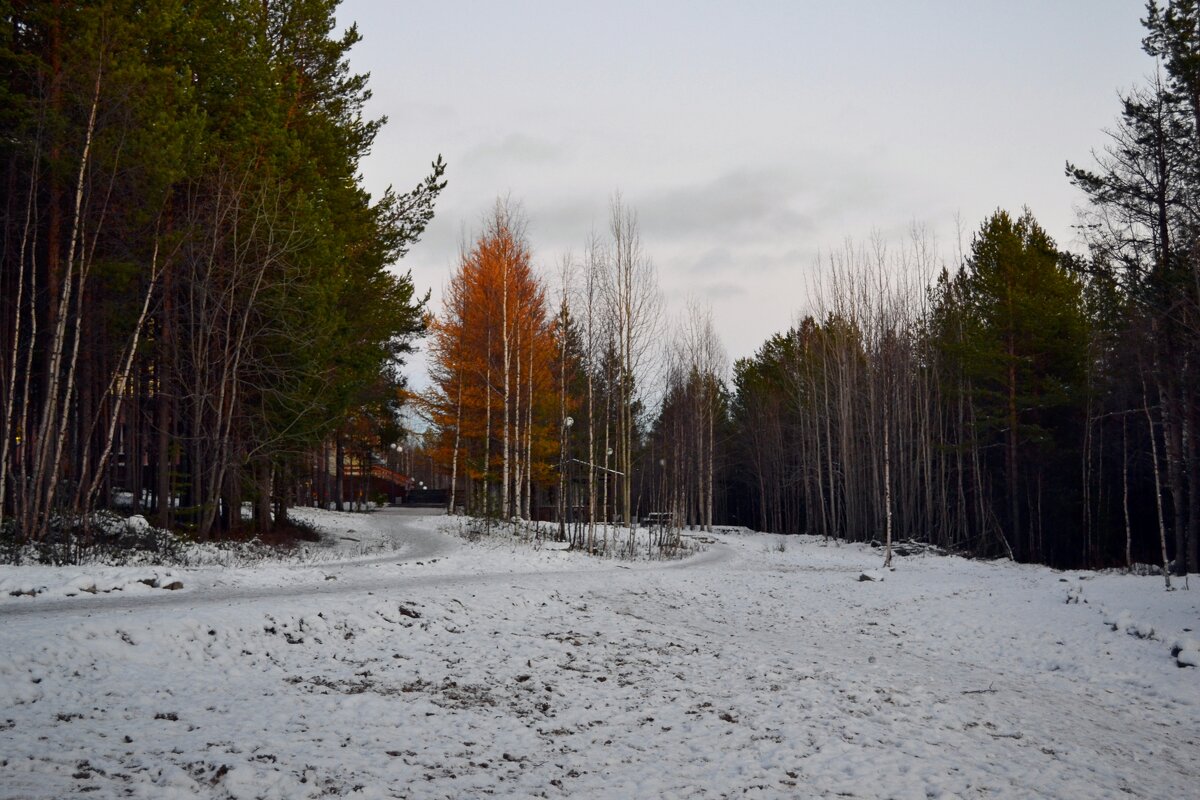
{"x":194,"y":285}
{"x":1024,"y":402}
{"x":1016,"y":399}
{"x":197,"y":311}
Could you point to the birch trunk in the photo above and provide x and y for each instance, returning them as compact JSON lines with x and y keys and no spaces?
{"x":1162,"y":526}
{"x":54,"y":422}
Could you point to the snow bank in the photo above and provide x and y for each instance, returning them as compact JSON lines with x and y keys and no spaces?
{"x":28,"y":582}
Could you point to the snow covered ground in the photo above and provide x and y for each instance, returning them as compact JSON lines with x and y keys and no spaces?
{"x":452,"y":669}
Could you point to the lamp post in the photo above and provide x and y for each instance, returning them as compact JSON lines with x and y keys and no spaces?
{"x":609,"y":488}
{"x":393,"y":466}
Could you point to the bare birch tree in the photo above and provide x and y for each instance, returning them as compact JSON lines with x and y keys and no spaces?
{"x":633,"y":304}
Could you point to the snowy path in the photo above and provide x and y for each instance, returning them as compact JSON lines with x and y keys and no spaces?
{"x":745,"y":672}
{"x":414,"y":545}
{"x":419,"y":547}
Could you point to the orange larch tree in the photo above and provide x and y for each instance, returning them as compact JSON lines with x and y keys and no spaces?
{"x":492,"y":399}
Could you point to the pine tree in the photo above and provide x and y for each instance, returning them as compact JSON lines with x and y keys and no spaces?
{"x":1023,"y":355}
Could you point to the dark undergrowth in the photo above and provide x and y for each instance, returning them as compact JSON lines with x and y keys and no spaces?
{"x":115,"y":540}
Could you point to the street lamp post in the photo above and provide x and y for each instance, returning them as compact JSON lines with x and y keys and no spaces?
{"x":393,"y":466}
{"x":609,"y":488}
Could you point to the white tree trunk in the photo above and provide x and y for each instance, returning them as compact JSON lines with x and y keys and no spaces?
{"x":1162,"y":526}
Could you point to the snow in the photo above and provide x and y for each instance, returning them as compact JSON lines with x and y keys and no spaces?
{"x":18,"y":582}
{"x":439,"y":667}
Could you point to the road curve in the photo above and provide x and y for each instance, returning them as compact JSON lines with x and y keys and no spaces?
{"x":421,"y":546}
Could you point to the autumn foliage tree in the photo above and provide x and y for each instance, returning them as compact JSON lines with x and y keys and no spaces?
{"x":494,"y":399}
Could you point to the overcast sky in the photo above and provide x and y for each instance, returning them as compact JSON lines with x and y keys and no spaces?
{"x":749,"y":136}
